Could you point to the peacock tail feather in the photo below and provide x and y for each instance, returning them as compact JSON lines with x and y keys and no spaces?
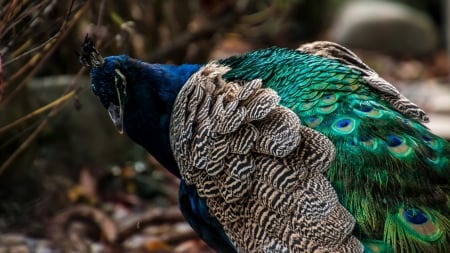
{"x":390,"y":171}
{"x":259,"y":170}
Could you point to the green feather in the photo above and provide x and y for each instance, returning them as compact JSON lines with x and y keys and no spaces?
{"x":386,"y":159}
{"x":376,"y":246}
{"x":429,"y":236}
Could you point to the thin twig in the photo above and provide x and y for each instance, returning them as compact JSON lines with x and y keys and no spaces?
{"x":22,"y":17}
{"x":2,"y":87}
{"x":8,"y":14}
{"x":56,"y":108}
{"x":29,"y":64}
{"x":39,"y":128}
{"x":189,"y":37}
{"x":44,"y":44}
{"x":20,"y":134}
{"x":97,"y":216}
{"x":38,"y":111}
{"x":152,"y":216}
{"x":44,"y":59}
{"x":101,"y":10}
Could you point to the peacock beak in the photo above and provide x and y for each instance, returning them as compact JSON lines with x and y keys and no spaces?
{"x":116,"y":114}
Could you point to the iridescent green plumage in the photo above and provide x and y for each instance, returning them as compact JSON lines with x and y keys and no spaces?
{"x":386,"y":160}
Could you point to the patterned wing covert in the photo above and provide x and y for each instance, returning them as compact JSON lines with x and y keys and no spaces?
{"x":258,"y":168}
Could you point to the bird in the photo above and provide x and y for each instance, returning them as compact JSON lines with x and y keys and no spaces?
{"x":286,"y":150}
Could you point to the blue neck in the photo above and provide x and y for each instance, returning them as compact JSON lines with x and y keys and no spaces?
{"x":155,"y":88}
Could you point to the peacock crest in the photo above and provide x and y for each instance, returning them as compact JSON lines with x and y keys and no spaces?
{"x":90,"y":56}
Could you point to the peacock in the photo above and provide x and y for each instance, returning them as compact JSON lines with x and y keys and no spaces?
{"x":286,"y":150}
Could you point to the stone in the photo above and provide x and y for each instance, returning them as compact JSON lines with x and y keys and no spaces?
{"x":385,"y":26}
{"x":79,"y":135}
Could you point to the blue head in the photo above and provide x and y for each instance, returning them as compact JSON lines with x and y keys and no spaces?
{"x":139,"y":98}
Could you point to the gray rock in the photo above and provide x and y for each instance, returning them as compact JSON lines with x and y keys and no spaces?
{"x":80,"y":135}
{"x":387,"y":26}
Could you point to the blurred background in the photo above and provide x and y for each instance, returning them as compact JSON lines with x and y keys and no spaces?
{"x":69,"y":182}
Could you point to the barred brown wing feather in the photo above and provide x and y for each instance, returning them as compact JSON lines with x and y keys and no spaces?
{"x":259,"y":170}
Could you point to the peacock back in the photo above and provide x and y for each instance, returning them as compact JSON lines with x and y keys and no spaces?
{"x":390,"y":171}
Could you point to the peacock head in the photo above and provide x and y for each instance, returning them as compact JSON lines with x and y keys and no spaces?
{"x":108,"y":81}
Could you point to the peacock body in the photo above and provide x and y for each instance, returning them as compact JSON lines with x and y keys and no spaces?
{"x":251,"y":138}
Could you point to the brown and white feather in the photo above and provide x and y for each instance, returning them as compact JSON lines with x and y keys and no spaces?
{"x":258,"y":168}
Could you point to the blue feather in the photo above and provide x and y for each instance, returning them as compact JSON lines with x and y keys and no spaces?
{"x":196,"y":212}
{"x":158,"y":84}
